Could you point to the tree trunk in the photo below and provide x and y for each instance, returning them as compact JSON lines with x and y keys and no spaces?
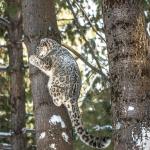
{"x":40,"y":21}
{"x":17,"y":91}
{"x":128,"y":55}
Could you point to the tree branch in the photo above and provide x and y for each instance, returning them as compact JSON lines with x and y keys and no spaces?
{"x":5,"y":134}
{"x":85,"y":61}
{"x":65,"y":19}
{"x":9,"y":134}
{"x":5,"y":146}
{"x":27,"y":130}
{"x":7,"y":68}
{"x":82,"y":34}
{"x":90,"y":23}
{"x":4,"y":68}
{"x":3,"y":46}
{"x":4,"y":23}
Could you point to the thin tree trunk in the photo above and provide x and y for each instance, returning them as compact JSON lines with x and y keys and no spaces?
{"x":17,"y":91}
{"x":127,"y":44}
{"x":40,"y":21}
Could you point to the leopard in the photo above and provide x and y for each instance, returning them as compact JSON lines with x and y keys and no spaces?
{"x":64,"y":85}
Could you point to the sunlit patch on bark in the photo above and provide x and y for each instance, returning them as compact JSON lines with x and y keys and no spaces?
{"x":130,"y":108}
{"x":142,"y":139}
{"x":118,"y":125}
{"x":65,"y":136}
{"x":42,"y":135}
{"x":55,"y":119}
{"x":53,"y":146}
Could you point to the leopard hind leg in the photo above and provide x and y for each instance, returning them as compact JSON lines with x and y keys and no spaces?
{"x":56,"y":93}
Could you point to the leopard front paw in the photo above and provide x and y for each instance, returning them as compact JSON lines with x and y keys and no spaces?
{"x":34,"y":60}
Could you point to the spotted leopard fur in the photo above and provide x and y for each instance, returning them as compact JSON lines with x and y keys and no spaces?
{"x":64,"y":85}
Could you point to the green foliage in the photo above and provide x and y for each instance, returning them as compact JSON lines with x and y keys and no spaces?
{"x":2,"y":10}
{"x":94,"y":101}
{"x":4,"y":103}
{"x":4,"y":98}
{"x":95,"y":94}
{"x":2,"y":7}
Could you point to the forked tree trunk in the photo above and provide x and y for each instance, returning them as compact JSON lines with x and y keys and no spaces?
{"x":17,"y":91}
{"x":40,"y":21}
{"x":128,"y":53}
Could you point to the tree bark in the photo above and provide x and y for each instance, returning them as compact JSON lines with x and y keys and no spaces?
{"x":128,"y":54}
{"x":40,"y":21}
{"x":17,"y":91}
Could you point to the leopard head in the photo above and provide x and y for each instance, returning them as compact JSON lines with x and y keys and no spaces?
{"x":46,"y":46}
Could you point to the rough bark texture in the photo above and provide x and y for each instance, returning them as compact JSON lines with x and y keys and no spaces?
{"x":17,"y":91}
{"x":40,"y":21}
{"x":128,"y":54}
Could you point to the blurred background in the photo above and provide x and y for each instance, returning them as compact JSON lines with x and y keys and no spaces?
{"x":81,"y":27}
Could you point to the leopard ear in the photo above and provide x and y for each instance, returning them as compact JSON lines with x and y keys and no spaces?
{"x":54,"y":42}
{"x":43,"y":40}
